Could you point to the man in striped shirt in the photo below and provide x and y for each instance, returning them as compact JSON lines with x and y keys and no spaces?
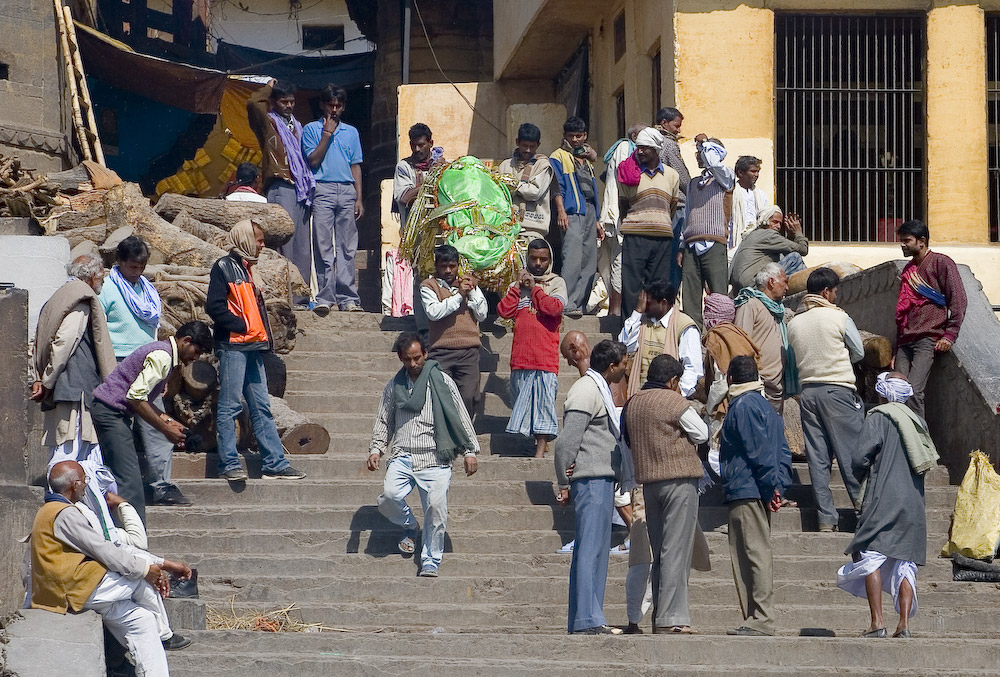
{"x":422,"y":424}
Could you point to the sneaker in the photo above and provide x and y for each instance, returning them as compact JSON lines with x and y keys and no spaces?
{"x":235,"y":475}
{"x":566,"y":549}
{"x":176,"y":642}
{"x":353,"y":308}
{"x":322,"y":308}
{"x":288,"y":473}
{"x":598,"y":630}
{"x":428,"y":571}
{"x":172,"y":496}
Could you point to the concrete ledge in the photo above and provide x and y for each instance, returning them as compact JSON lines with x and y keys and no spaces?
{"x":185,"y":614}
{"x":42,"y":644}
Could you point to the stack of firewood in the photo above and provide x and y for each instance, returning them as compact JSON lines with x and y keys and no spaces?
{"x":26,"y":193}
{"x":183,"y":247}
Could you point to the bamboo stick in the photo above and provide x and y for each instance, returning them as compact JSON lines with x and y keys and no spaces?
{"x":81,"y":130}
{"x":95,"y":139}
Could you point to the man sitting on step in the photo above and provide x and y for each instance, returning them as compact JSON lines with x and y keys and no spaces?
{"x":74,"y":568}
{"x":422,"y":424}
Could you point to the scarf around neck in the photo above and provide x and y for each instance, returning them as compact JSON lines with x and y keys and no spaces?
{"x":790,"y":372}
{"x":810,"y":301}
{"x":145,"y":304}
{"x":242,"y":241}
{"x":450,"y":436}
{"x":737,"y":389}
{"x":302,"y":175}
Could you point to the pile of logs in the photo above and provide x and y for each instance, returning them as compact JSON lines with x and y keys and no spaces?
{"x":26,"y":194}
{"x":183,"y":250}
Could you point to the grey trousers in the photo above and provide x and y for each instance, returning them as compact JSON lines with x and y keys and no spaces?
{"x":579,"y":258}
{"x":671,"y":518}
{"x":114,"y":432}
{"x":298,"y":250}
{"x":158,"y":452}
{"x":753,"y":562}
{"x":711,"y":268}
{"x":914,"y":361}
{"x":832,"y":417}
{"x":336,"y":236}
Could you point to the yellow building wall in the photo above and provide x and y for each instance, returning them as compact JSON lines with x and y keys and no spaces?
{"x":957,"y":154}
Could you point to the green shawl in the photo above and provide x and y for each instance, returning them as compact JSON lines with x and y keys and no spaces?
{"x":450,"y":436}
{"x":790,"y":375}
{"x":920,"y":450}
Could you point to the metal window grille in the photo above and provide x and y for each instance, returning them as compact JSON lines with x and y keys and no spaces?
{"x":850,"y":123}
{"x":993,"y":119}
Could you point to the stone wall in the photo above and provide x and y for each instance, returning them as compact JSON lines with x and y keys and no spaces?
{"x":964,"y":389}
{"x":18,"y":502}
{"x":33,"y":118}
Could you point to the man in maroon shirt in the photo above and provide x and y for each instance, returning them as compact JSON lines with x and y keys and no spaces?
{"x":929,"y":311}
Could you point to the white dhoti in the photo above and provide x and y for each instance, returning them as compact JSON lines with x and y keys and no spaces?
{"x":851,"y":577}
{"x":131,"y":623}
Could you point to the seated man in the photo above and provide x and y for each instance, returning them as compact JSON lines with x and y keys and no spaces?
{"x":775,"y":240}
{"x":73,"y":568}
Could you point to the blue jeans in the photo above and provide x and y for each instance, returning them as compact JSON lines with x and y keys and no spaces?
{"x":791,"y":263}
{"x":432,"y":483}
{"x":241,"y":375}
{"x":593,"y":502}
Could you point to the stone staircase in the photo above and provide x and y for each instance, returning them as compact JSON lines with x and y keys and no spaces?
{"x":499,"y":607}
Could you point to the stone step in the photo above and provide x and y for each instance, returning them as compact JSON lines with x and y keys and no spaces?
{"x":351,"y":465}
{"x":846,"y":619}
{"x":367,"y":518}
{"x":309,"y":321}
{"x":374,"y":343}
{"x":705,"y":589}
{"x":530,"y":654}
{"x":366,"y":403}
{"x":551,"y":566}
{"x":361,"y":492}
{"x":482,"y":542}
{"x":374,"y":381}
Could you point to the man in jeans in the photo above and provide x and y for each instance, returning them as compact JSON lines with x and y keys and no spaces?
{"x":417,"y":398}
{"x":242,"y":333}
{"x":333,"y":150}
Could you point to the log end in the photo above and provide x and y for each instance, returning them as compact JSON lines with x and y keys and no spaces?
{"x":306,"y":438}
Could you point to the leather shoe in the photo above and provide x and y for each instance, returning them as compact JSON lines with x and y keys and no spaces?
{"x":176,"y":642}
{"x":172,"y":496}
{"x":186,"y":589}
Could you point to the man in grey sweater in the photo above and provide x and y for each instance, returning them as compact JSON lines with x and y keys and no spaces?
{"x":777,"y":239}
{"x":586,"y":462}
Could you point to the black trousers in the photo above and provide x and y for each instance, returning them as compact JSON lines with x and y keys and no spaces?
{"x":114,"y":432}
{"x":644,"y":259}
{"x":462,"y":364}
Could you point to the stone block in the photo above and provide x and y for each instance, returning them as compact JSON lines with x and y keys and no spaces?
{"x":37,"y":264}
{"x":185,"y":614}
{"x":13,"y":384}
{"x":42,"y":644}
{"x":19,"y":226}
{"x":18,"y":505}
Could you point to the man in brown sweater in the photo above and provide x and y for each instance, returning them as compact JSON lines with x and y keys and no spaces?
{"x":455,"y":306}
{"x":662,"y":429}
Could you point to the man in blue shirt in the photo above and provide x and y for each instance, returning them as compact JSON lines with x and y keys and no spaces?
{"x":333,"y":150}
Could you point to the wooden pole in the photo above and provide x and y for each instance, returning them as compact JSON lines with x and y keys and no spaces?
{"x":81,"y":130}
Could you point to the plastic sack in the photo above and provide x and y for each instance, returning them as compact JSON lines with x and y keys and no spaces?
{"x":975,"y":529}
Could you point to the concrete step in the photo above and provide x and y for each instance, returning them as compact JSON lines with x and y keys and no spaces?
{"x":303,"y":363}
{"x":311,"y":491}
{"x":846,"y":619}
{"x":460,"y":518}
{"x":483,"y":542}
{"x":551,"y":566}
{"x":705,"y":589}
{"x":366,"y":403}
{"x":374,"y":381}
{"x":495,"y":653}
{"x":350,"y":464}
{"x":380,"y":342}
{"x":309,"y":321}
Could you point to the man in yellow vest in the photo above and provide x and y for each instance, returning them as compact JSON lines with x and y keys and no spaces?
{"x":73,"y":568}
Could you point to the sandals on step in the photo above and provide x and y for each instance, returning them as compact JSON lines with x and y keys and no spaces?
{"x":406,"y":544}
{"x":682,"y":630}
{"x":785,"y":503}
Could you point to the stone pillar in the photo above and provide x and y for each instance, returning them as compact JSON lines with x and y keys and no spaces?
{"x":957,"y":191}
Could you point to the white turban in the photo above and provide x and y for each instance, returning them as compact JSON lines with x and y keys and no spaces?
{"x":765,"y":214}
{"x":711,"y":148}
{"x":649,"y":137}
{"x":893,"y":389}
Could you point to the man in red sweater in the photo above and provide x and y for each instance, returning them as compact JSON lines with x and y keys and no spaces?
{"x":535,"y":303}
{"x":929,"y":311}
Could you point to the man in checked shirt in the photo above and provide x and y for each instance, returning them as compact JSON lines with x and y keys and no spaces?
{"x":423,"y":425}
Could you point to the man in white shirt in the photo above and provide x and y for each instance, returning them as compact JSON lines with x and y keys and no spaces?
{"x":455,"y":306}
{"x":247,"y":184}
{"x":656,"y":327}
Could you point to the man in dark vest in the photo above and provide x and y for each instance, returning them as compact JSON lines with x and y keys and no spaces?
{"x":129,"y":389}
{"x":73,"y":354}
